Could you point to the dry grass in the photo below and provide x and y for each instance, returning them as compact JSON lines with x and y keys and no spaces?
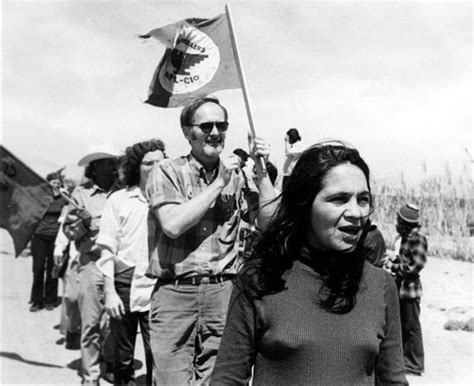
{"x":465,"y":325}
{"x":446,"y":208}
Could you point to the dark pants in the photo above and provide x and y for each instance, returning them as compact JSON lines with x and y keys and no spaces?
{"x":124,"y":332}
{"x":44,"y":288}
{"x":411,"y":336}
{"x":285,"y":181}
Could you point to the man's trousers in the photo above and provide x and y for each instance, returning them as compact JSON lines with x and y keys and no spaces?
{"x":45,"y":287}
{"x":187,"y":322}
{"x":124,"y":332}
{"x":411,"y":336}
{"x":95,"y":339}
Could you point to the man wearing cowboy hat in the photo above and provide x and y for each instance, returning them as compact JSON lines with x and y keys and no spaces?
{"x":82,"y":226}
{"x":412,"y":247}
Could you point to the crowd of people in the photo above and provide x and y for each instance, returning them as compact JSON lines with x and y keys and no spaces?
{"x":229,"y":279}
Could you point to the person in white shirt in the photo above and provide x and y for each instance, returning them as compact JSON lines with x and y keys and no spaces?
{"x":66,"y":260}
{"x":123,"y":237}
{"x":293,"y":150}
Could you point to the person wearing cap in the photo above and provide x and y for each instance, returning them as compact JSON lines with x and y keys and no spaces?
{"x":123,"y":237}
{"x":44,"y":290}
{"x":82,"y":226}
{"x":412,"y":248}
{"x":198,"y":200}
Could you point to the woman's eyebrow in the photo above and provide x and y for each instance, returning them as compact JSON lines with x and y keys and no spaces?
{"x":338,"y":194}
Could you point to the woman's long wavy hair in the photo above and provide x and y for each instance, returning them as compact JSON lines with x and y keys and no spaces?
{"x":275,"y":250}
{"x":133,"y":157}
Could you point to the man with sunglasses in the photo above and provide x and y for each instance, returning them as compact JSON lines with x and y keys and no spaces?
{"x":198,"y":201}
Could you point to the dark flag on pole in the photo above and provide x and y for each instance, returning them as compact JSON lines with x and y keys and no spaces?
{"x":198,"y":61}
{"x":24,"y":197}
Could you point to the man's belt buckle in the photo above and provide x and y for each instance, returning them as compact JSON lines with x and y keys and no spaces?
{"x":205,"y":280}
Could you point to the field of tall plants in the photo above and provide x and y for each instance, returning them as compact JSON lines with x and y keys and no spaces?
{"x":446,"y":208}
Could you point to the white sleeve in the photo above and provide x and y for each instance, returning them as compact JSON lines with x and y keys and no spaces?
{"x":106,"y":263}
{"x":61,"y":242}
{"x":108,"y":238}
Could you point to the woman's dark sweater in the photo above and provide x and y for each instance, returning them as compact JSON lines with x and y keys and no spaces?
{"x":291,"y":340}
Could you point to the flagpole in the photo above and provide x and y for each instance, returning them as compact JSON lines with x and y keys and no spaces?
{"x":65,"y":196}
{"x":243,"y":82}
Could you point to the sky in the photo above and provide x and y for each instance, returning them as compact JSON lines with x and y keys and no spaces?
{"x":394,"y":79}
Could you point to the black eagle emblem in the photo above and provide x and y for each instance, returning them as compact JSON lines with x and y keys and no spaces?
{"x":182,"y":61}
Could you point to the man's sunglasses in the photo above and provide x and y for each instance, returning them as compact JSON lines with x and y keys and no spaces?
{"x":206,"y":127}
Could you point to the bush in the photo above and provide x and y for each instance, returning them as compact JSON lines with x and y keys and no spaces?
{"x":447,"y":213}
{"x":469,"y":326}
{"x":453,"y":325}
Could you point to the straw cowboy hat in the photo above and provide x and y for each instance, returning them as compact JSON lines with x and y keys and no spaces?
{"x":101,"y":151}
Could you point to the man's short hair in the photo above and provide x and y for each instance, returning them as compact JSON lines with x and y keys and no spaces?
{"x":244,"y":156}
{"x":90,"y":169}
{"x":293,"y":136}
{"x":187,"y":114}
{"x":54,"y":176}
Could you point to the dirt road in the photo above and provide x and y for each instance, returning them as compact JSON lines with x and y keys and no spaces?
{"x":31,"y":352}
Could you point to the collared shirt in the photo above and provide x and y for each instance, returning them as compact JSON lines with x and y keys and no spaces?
{"x":209,"y":247}
{"x":92,"y":198}
{"x":410,"y":261}
{"x":123,"y":236}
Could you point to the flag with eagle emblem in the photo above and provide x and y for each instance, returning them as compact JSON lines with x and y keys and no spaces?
{"x":198,"y":61}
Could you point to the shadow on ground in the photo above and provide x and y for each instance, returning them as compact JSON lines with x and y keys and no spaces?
{"x":76,"y":364}
{"x":17,"y":357}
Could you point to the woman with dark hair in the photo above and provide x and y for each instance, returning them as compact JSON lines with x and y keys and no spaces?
{"x":308,"y":308}
{"x":123,"y":238}
{"x":138,"y":162}
{"x":293,"y":150}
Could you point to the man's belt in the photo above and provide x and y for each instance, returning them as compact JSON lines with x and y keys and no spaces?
{"x":197,"y":280}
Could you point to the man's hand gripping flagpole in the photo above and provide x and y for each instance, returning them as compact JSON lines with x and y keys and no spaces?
{"x":252,"y":134}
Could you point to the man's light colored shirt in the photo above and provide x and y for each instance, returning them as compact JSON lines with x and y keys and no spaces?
{"x":208,"y":248}
{"x":123,"y":237}
{"x":292,"y":157}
